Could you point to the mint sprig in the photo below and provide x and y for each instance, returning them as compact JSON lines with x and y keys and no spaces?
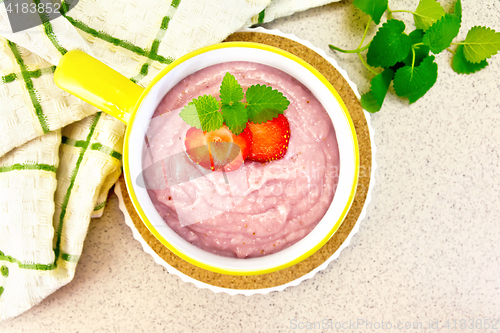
{"x":263,"y":103}
{"x":462,"y":65}
{"x":480,"y":44}
{"x":372,"y":101}
{"x":421,"y":51}
{"x":230,"y":90}
{"x":202,"y":113}
{"x":427,"y":13}
{"x":405,"y":58}
{"x":235,"y":117}
{"x":389,"y":46}
{"x":373,"y":8}
{"x":414,"y":81}
{"x":440,"y":35}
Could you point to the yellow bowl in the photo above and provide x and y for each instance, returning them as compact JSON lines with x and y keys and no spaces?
{"x":99,"y":85}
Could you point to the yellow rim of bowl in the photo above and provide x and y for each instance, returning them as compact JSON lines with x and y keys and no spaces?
{"x":152,"y":229}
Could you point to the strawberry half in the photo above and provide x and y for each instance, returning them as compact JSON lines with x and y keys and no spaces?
{"x":219,"y":149}
{"x":270,"y":139}
{"x":196,"y":148}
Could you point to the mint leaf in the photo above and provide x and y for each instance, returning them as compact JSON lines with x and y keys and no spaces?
{"x":427,"y":13}
{"x":389,"y":45}
{"x":264,"y":116}
{"x":421,"y":51}
{"x":440,"y":35}
{"x":190,"y":116}
{"x":372,"y":101}
{"x":264,"y":103}
{"x":414,"y":82}
{"x":204,"y":115}
{"x":462,"y":65}
{"x":235,"y":117}
{"x":458,"y":10}
{"x":480,"y":44}
{"x":234,"y":112}
{"x":374,"y":8}
{"x":230,"y":90}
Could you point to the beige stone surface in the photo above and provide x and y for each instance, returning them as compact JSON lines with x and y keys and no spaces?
{"x":427,"y":251}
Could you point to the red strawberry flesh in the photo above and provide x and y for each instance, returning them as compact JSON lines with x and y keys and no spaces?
{"x":270,"y":139}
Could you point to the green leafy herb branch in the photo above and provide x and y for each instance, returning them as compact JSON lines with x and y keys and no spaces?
{"x":407,"y":60}
{"x":262,"y":104}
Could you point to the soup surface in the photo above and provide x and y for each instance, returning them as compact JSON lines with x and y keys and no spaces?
{"x":261,"y":208}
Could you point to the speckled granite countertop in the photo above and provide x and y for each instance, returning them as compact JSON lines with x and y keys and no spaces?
{"x":427,"y":251}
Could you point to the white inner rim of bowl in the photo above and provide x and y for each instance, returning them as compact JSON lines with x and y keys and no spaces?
{"x":320,"y":91}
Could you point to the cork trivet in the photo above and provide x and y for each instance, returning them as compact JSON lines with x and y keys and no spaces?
{"x":292,"y":273}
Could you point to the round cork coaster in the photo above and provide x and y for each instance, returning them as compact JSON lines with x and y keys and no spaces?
{"x":301,"y":269}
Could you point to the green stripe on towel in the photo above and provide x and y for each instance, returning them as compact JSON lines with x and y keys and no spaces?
{"x":32,"y":74}
{"x":31,"y":90}
{"x":108,"y":38}
{"x":28,"y":166}
{"x":9,"y":78}
{"x":95,"y":146}
{"x":49,"y":31}
{"x":64,"y":205}
{"x":70,"y":257}
{"x":106,"y":150}
{"x":100,"y":206}
{"x":74,"y":143}
{"x":40,"y":267}
{"x":156,"y":44}
{"x":262,"y":15}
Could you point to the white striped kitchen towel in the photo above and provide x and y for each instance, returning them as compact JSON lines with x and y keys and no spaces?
{"x":58,"y":155}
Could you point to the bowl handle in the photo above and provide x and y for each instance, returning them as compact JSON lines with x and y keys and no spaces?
{"x":98,"y":84}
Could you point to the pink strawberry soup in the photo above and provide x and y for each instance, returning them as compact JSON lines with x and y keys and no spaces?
{"x":261,"y":208}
